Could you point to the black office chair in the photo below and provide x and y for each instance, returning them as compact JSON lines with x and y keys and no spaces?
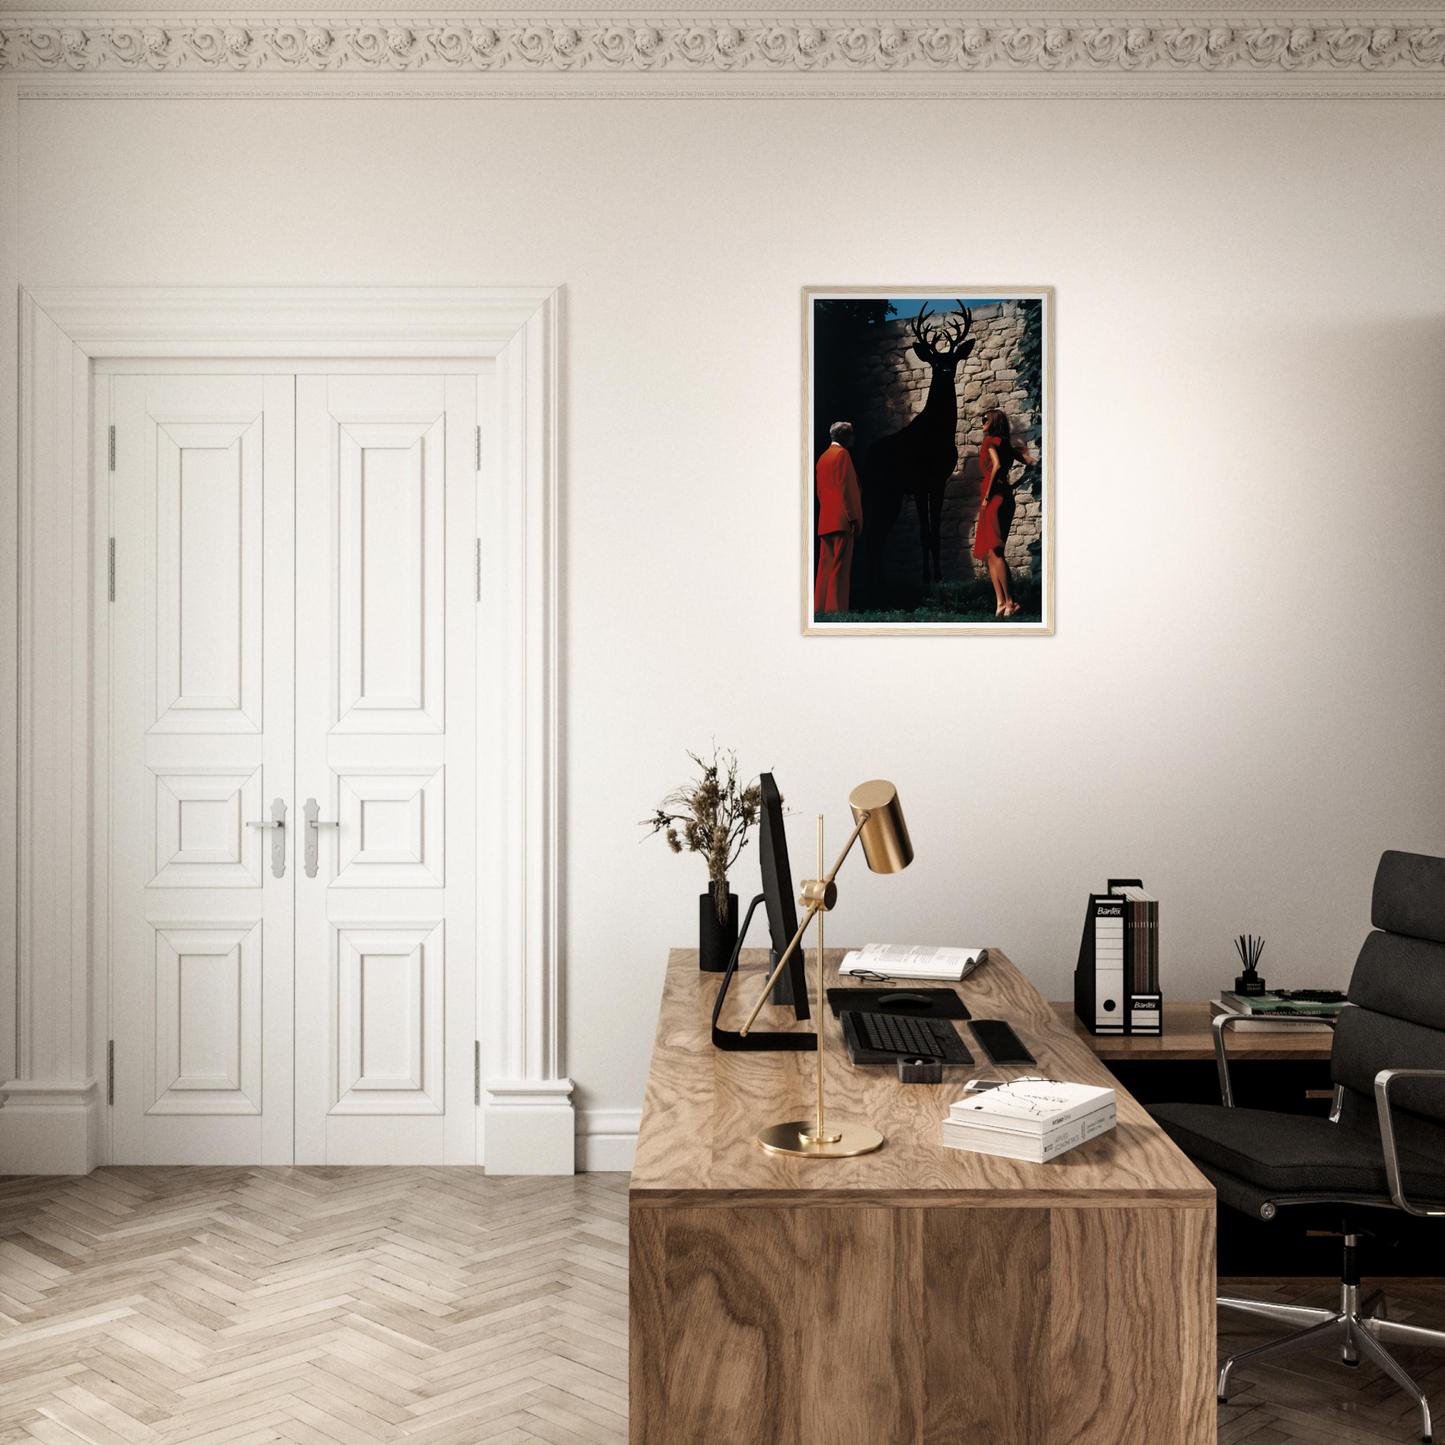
{"x":1383,"y":1146}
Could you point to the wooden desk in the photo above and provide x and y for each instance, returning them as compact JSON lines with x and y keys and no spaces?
{"x":919,"y":1295}
{"x":1188,"y":1036}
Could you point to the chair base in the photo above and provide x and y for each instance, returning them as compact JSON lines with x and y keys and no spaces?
{"x":1360,"y":1327}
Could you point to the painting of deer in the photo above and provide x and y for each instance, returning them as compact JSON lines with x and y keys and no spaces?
{"x":932,"y":395}
{"x":918,"y":460}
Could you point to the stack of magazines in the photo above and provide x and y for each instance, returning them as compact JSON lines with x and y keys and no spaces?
{"x":1272,"y":1012}
{"x":1031,"y":1119}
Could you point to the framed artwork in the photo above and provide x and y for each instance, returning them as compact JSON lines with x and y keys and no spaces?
{"x":928,"y":477}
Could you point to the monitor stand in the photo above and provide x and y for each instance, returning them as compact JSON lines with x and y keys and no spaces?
{"x":759,"y":1040}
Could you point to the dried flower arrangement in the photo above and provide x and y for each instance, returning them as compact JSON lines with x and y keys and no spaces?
{"x":710,"y":816}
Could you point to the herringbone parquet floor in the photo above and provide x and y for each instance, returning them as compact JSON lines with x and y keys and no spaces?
{"x":1312,"y":1398}
{"x":317,"y":1306}
{"x":429,"y":1307}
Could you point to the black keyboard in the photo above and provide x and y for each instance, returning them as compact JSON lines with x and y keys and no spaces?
{"x":902,"y":1037}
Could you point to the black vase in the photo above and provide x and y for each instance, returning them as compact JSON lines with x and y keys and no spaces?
{"x":716,"y":941}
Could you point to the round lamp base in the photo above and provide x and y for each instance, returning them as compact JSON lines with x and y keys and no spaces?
{"x":794,"y":1137}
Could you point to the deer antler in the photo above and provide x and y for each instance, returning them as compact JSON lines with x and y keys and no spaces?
{"x":958,"y":345}
{"x":924,"y":347}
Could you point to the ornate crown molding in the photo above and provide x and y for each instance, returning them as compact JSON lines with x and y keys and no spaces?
{"x":882,"y":45}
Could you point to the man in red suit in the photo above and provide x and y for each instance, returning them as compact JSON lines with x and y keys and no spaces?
{"x":840,"y":521}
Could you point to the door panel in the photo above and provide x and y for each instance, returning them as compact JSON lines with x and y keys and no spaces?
{"x":201,"y":743}
{"x":209,"y":562}
{"x":390,"y":574}
{"x":385,"y":674}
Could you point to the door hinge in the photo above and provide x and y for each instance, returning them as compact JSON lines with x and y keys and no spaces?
{"x":477,"y":1072}
{"x":110,"y":569}
{"x":110,"y":1072}
{"x":479,"y":446}
{"x":112,"y":448}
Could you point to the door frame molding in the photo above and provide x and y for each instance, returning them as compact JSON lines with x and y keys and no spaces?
{"x":54,"y":989}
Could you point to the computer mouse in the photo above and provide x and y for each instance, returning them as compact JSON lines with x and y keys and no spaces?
{"x":903,"y":999}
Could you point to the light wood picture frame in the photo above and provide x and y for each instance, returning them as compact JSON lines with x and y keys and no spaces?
{"x":949,"y":395}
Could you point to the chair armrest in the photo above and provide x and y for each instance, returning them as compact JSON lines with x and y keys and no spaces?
{"x":1383,"y":1080}
{"x":1222,"y":1022}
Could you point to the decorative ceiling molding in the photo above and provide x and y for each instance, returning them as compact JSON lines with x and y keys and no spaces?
{"x":1409,"y":53}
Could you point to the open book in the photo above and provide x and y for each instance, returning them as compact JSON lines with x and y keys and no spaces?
{"x":902,"y":960}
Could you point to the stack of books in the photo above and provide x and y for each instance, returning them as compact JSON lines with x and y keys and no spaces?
{"x":1263,"y":1012}
{"x":1031,"y":1119}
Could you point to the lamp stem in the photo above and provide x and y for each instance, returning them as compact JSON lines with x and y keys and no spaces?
{"x":821,"y":1000}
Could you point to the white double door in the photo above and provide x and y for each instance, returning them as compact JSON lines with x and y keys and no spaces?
{"x":292,"y":642}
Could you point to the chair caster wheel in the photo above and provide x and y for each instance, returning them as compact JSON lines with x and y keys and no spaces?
{"x":1221,"y":1399}
{"x":1353,"y":1364}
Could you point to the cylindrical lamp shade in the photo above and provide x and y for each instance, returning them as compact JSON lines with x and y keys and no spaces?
{"x":885,"y":840}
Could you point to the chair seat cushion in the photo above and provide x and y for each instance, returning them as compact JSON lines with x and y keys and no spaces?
{"x":1292,"y":1153}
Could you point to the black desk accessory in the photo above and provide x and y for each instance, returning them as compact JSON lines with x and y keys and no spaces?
{"x":756,"y":1041}
{"x":1249,"y":948}
{"x":919,"y":1003}
{"x":1000,"y":1042}
{"x":885,"y":1039}
{"x":920,"y":1071}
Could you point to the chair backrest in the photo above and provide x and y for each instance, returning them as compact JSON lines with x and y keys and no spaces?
{"x":1398,"y":993}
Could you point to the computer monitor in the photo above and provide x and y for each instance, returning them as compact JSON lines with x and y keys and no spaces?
{"x":777,"y":897}
{"x":791,"y":987}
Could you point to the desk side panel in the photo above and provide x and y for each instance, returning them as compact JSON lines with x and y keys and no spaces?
{"x":985,"y":1318}
{"x":646,"y":1325}
{"x":1132,"y":1326}
{"x":721,"y":1341}
{"x":867,"y":1326}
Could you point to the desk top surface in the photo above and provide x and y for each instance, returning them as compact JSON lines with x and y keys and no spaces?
{"x":1187,"y":1035}
{"x":705,"y":1106}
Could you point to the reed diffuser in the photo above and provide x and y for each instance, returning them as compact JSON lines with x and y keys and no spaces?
{"x":1249,"y":948}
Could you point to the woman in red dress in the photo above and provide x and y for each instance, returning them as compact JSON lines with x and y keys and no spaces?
{"x":996,"y":458}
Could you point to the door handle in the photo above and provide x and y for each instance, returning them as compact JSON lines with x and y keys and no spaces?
{"x":314,"y":825}
{"x":278,"y":841}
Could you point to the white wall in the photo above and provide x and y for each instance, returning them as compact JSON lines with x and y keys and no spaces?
{"x":1250,"y":366}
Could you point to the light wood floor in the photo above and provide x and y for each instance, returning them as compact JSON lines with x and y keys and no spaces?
{"x":429,"y":1306}
{"x":320,"y":1306}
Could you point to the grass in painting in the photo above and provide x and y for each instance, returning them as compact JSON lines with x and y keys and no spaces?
{"x":948,"y":604}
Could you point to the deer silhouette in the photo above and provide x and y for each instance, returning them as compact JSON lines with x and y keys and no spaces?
{"x":918,"y":460}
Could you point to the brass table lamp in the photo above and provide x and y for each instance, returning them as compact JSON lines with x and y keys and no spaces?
{"x":878,"y":822}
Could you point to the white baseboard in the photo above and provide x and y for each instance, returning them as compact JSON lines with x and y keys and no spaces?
{"x":49,"y":1126}
{"x":607,"y":1139}
{"x":531,"y":1127}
